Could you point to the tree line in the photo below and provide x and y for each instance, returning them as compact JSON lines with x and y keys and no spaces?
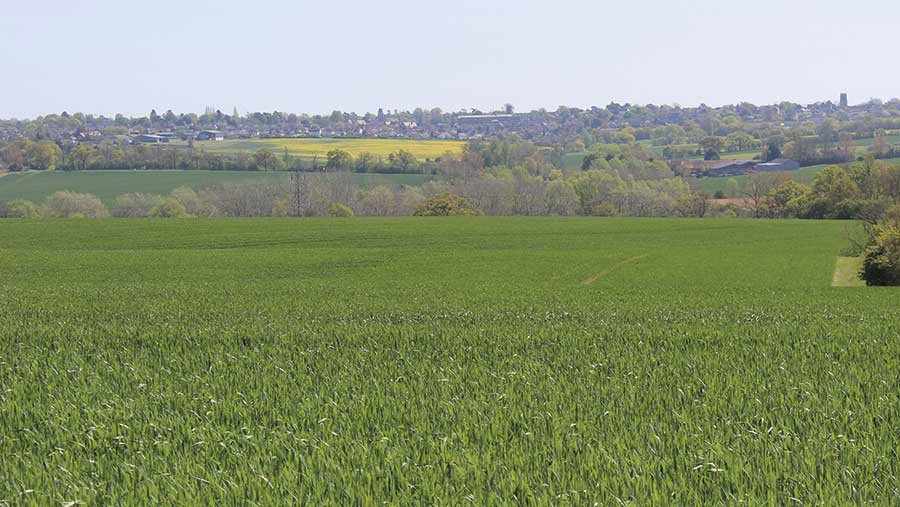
{"x":497,"y":191}
{"x":22,"y":155}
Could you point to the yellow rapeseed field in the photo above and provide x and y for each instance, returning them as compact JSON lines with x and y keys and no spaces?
{"x":309,"y":148}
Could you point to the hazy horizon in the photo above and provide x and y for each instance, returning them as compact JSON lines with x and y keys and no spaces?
{"x":105,"y":57}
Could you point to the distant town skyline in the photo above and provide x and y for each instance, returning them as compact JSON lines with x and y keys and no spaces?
{"x":463,"y":110}
{"x":106,"y":57}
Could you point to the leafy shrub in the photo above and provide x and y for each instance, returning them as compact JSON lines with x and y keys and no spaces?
{"x":603,"y":209}
{"x":66,"y":204}
{"x":881,"y":265}
{"x":786,"y":200}
{"x":169,"y":208}
{"x":892,"y":214}
{"x":20,"y":208}
{"x":446,"y":204}
{"x":195,"y":204}
{"x":135,"y":205}
{"x":869,"y":210}
{"x":281,"y":208}
{"x":339,"y":210}
{"x":813,"y":207}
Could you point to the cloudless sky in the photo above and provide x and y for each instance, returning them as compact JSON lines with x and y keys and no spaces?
{"x":114,"y":56}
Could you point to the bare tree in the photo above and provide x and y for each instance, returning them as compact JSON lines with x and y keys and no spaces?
{"x":759,"y":185}
{"x":528,"y":196}
{"x":245,"y":199}
{"x":377,"y":201}
{"x":493,"y":196}
{"x":135,"y":205}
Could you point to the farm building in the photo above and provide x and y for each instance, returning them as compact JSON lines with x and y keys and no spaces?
{"x":150,"y":138}
{"x":732,"y":168}
{"x":715,"y":167}
{"x":167,"y":136}
{"x":211,"y":135}
{"x":779,"y":164}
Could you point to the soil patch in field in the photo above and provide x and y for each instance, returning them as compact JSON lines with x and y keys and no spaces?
{"x":612,"y":268}
{"x":846,"y":272}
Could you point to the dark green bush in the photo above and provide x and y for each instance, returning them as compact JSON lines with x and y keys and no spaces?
{"x":881,"y":265}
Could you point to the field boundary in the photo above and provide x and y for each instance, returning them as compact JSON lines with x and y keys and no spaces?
{"x":846,"y":272}
{"x":591,"y":280}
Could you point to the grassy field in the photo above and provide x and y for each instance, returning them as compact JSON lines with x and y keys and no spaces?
{"x":310,"y":148}
{"x":865,"y":143}
{"x":727,"y":184}
{"x":573,"y":161}
{"x":859,"y":144}
{"x":442,"y":361}
{"x":37,"y":185}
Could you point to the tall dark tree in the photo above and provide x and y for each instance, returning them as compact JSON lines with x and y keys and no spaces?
{"x":772,"y":152}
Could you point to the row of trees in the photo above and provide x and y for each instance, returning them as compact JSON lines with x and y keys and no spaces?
{"x":24,"y":155}
{"x":861,"y":191}
{"x":400,"y":161}
{"x":505,"y":192}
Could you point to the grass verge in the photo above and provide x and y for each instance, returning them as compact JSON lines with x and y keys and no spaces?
{"x":846,"y":272}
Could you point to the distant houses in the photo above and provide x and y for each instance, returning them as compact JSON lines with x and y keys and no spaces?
{"x":503,"y":120}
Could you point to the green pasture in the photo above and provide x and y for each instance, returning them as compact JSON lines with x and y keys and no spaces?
{"x":573,"y":161}
{"x":865,"y":143}
{"x":422,"y":361}
{"x":859,"y":144}
{"x":729,"y":184}
{"x":107,"y":185}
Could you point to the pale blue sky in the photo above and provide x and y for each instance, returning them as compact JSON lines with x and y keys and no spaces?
{"x":109,"y":56}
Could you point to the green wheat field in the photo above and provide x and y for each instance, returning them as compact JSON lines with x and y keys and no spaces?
{"x":456,"y":361}
{"x":108,"y":184}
